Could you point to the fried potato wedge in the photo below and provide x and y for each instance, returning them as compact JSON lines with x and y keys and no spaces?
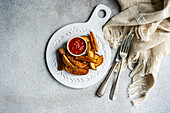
{"x":96,"y":56}
{"x":94,"y":42}
{"x":86,"y":58}
{"x":77,"y":63}
{"x":62,"y":50}
{"x":76,"y":71}
{"x":84,"y":62}
{"x":92,"y":65}
{"x":67,"y":62}
{"x":60,"y":62}
{"x":88,"y":49}
{"x":87,"y":67}
{"x":90,"y":53}
{"x":86,"y":38}
{"x":99,"y":61}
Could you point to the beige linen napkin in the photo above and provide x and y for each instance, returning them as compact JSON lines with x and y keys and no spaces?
{"x":149,"y":20}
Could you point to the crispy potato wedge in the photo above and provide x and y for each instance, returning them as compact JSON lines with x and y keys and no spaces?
{"x":84,"y":62}
{"x":67,"y":62}
{"x":86,"y":58}
{"x":96,"y":56}
{"x":86,"y":38}
{"x":87,"y":67}
{"x":62,"y":50}
{"x":92,"y":65}
{"x":76,"y":71}
{"x":99,"y":61}
{"x":90,"y":54}
{"x":94,"y":42}
{"x":88,"y":48}
{"x":77,"y":63}
{"x":60,"y":62}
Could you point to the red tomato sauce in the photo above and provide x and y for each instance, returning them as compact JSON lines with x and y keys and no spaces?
{"x":77,"y":46}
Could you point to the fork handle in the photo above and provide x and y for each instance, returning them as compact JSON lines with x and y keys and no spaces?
{"x":113,"y":93}
{"x":103,"y":86}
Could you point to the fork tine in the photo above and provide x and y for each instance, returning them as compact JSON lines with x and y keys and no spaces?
{"x":124,"y":45}
{"x":129,"y":40}
{"x":128,"y":45}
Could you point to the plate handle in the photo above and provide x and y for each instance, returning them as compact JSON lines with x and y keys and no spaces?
{"x":97,"y":21}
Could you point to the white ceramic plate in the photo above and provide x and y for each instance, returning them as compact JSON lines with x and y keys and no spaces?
{"x":60,"y":38}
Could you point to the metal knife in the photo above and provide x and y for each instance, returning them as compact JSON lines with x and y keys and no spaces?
{"x":113,"y":95}
{"x":103,"y":86}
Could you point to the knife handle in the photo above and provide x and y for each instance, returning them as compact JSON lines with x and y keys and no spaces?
{"x":103,"y":86}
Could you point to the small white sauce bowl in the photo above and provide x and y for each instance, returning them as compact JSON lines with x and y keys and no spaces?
{"x":78,"y":54}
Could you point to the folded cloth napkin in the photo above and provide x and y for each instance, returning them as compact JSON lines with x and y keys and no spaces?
{"x":149,"y":20}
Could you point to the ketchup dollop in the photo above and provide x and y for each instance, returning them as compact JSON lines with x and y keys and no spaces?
{"x":77,"y":46}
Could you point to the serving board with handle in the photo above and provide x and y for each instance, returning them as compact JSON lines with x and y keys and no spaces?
{"x":60,"y":38}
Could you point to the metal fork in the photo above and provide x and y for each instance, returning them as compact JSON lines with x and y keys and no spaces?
{"x":123,"y":54}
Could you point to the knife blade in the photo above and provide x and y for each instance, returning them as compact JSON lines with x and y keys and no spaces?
{"x":117,"y":59}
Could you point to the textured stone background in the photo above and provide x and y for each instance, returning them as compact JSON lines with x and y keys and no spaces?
{"x":26,"y":86}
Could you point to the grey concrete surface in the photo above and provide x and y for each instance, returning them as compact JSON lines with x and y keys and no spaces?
{"x":26,"y":85}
